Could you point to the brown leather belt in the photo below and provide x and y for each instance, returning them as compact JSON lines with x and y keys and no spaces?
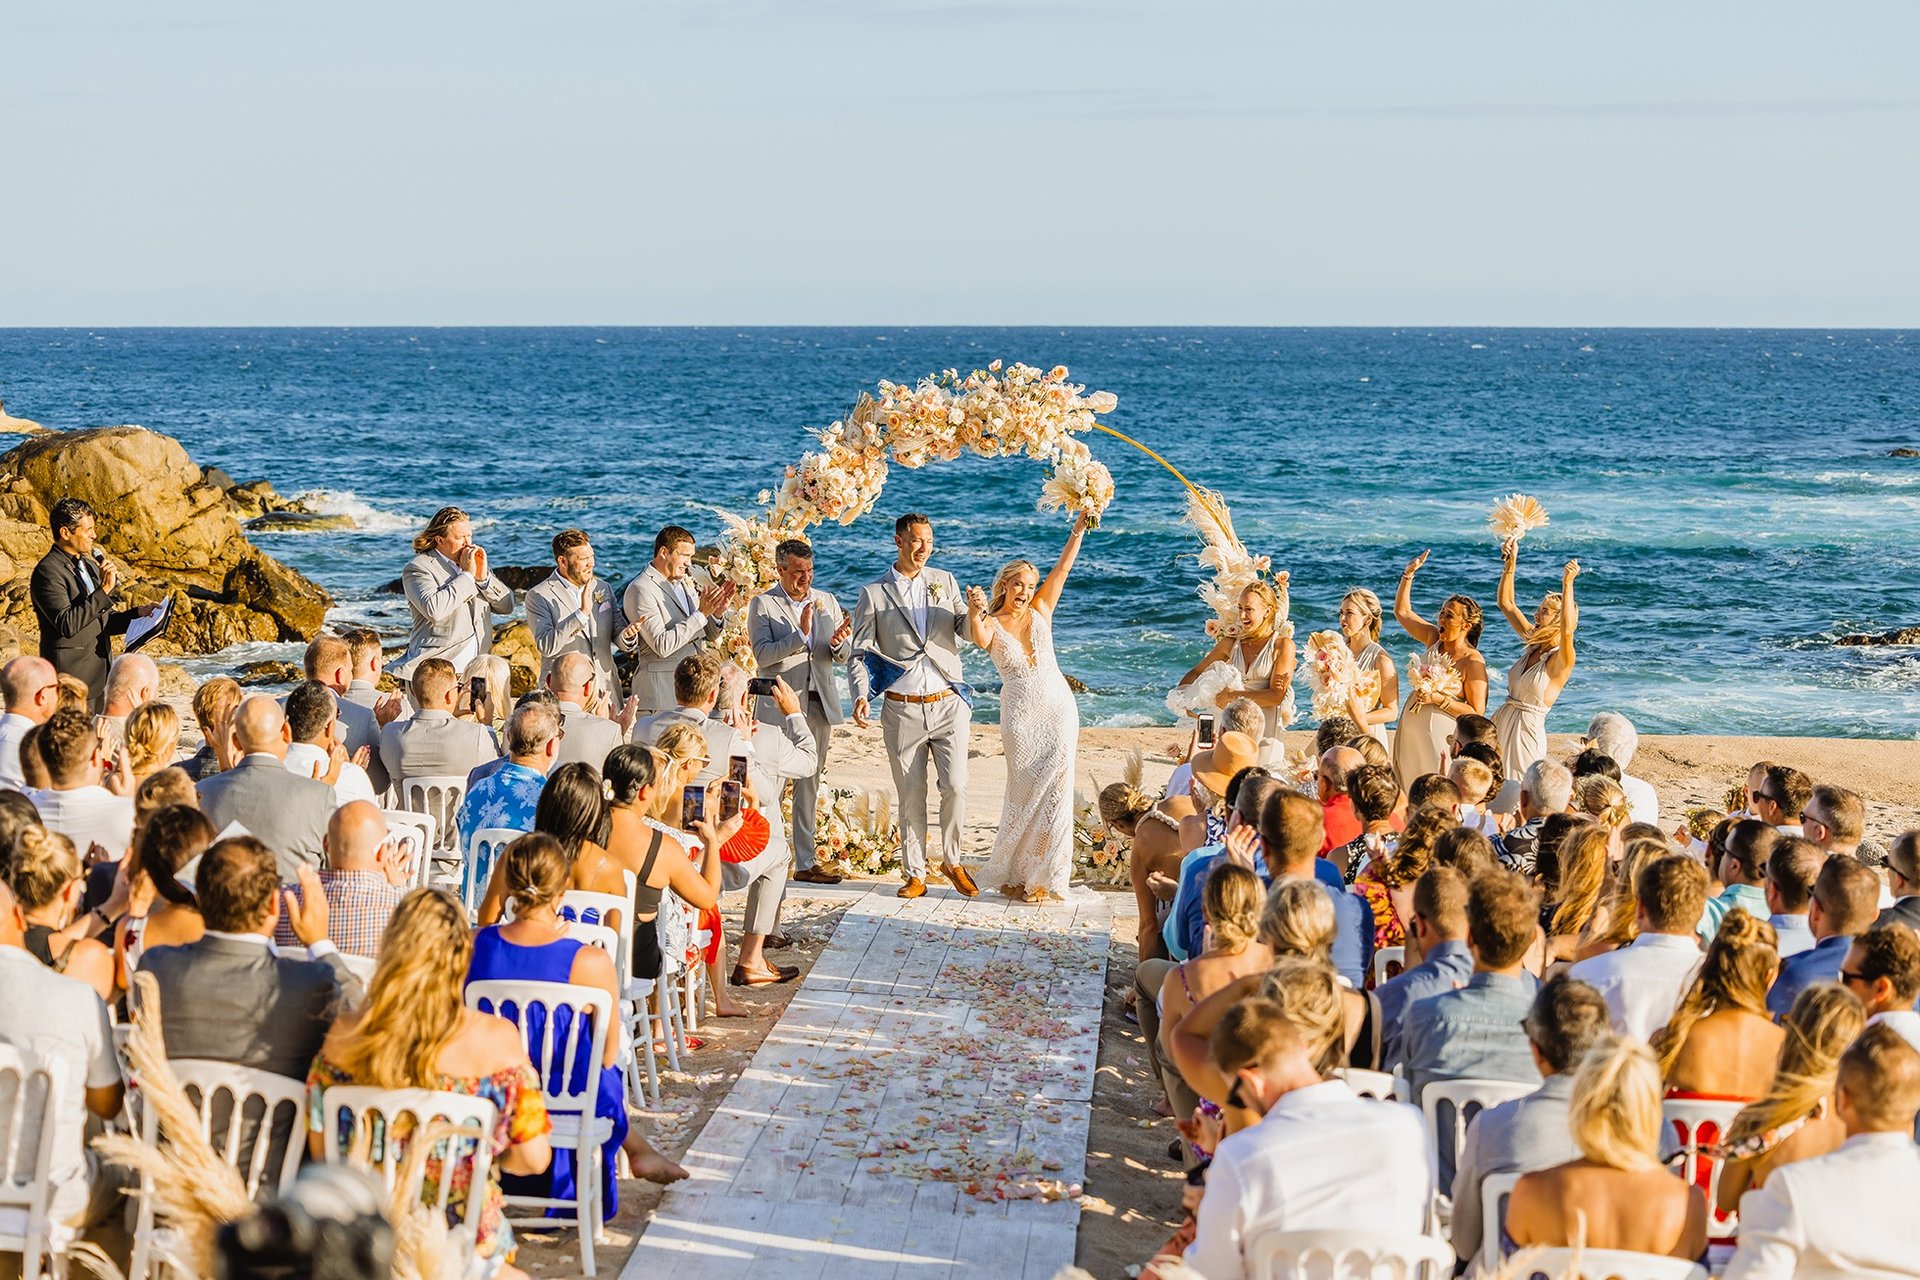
{"x":918,"y":697}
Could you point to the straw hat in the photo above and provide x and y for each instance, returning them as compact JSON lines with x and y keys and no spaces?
{"x":1230,"y":753}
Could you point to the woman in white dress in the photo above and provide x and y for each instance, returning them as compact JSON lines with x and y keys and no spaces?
{"x":1537,"y":679}
{"x":1039,"y":727}
{"x":1261,"y":650}
{"x":1421,"y":740}
{"x":1360,"y":617}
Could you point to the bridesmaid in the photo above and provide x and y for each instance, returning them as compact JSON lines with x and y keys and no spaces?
{"x":1360,"y":628}
{"x":1537,"y":679}
{"x":1425,"y":722}
{"x":1262,"y":652}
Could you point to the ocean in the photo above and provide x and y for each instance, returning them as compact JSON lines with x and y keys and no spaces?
{"x":1730,"y":494}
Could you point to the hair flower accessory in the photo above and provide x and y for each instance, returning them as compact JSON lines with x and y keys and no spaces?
{"x":606,"y":790}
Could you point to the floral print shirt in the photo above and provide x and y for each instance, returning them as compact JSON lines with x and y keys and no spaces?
{"x":505,"y":798}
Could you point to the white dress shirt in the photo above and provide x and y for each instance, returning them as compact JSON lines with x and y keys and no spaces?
{"x":919,"y":679}
{"x":13,"y":727}
{"x":86,"y":816}
{"x":1643,"y":981}
{"x":310,"y":761}
{"x":1642,"y":804}
{"x":1905,"y":1021}
{"x":1838,"y":1215}
{"x":1323,"y":1158}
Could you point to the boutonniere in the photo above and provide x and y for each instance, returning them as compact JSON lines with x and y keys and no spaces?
{"x":936,"y":591}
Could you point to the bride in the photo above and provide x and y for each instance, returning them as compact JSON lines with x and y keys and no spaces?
{"x":1039,"y":727}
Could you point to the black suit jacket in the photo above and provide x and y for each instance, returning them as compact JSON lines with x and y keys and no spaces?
{"x":77,"y":626}
{"x":1906,"y":912}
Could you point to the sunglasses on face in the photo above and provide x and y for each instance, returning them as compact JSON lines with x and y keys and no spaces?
{"x":1851,"y":975}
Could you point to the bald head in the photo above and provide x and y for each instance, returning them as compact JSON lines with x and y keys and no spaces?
{"x":132,"y":680}
{"x":260,"y":725}
{"x":571,"y":678}
{"x":32,"y":688}
{"x":355,"y":835}
{"x":1335,"y":764}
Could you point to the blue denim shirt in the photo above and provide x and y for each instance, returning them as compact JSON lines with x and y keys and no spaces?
{"x":1447,"y":966}
{"x":1793,"y":933}
{"x":1819,"y":964}
{"x":1353,"y":920}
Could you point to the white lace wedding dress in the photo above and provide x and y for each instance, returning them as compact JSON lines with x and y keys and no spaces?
{"x":1040,"y":735}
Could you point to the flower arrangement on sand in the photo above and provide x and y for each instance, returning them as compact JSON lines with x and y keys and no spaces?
{"x":1099,"y":852}
{"x":854,"y":832}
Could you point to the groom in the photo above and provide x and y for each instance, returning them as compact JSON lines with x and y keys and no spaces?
{"x":906,"y":646}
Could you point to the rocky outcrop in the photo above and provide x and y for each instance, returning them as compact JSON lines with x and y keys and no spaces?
{"x":18,"y":426}
{"x":166,"y":526}
{"x":514,"y":642}
{"x":1904,"y":452}
{"x":1905,"y":635}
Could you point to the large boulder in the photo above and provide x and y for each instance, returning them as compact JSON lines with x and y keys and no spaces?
{"x":514,"y":642}
{"x":167,"y":527}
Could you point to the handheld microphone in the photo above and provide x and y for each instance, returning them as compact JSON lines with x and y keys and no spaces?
{"x":99,"y":556}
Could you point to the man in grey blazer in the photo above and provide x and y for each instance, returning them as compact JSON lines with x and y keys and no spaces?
{"x":572,"y":612}
{"x":910,"y":620}
{"x":696,"y":691}
{"x":586,"y":738}
{"x":798,"y":632}
{"x":432,"y":744}
{"x":664,"y":620}
{"x":284,"y":811}
{"x":329,"y":661}
{"x":451,"y":592}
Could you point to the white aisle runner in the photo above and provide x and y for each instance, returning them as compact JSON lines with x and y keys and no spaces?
{"x":920,"y":1109}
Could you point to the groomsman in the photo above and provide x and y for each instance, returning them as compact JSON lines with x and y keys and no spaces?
{"x":798,"y":633}
{"x":572,"y":612}
{"x":665,"y":620}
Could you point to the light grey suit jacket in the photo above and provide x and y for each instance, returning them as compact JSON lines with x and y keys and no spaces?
{"x":805,"y":662}
{"x":884,"y":625}
{"x":434,"y":744}
{"x":589,"y":738}
{"x":723,"y":743}
{"x":363,"y":730}
{"x":284,"y":811}
{"x":559,"y":626}
{"x":665,"y":632}
{"x":449,"y":607}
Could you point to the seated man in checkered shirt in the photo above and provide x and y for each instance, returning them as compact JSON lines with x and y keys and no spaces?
{"x":364,"y":880}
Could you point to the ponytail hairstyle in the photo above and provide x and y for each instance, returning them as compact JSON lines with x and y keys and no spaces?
{"x":631,"y":769}
{"x":1614,"y":1113}
{"x":152,"y":736}
{"x":1476,"y":620}
{"x":1740,"y":965}
{"x":1370,"y":605}
{"x":1232,"y":903}
{"x":445,"y":516}
{"x":1600,"y":798}
{"x":535,"y":869}
{"x":44,"y":866}
{"x":172,"y":836}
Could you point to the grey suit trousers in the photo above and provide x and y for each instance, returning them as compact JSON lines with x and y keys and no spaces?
{"x":916,"y":732}
{"x":806,"y":791}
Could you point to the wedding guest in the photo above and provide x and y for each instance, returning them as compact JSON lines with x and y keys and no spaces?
{"x":1538,"y":678}
{"x":1579,"y":880}
{"x":1545,"y":789}
{"x":1360,"y":617}
{"x":1475,"y":782}
{"x":76,"y":802}
{"x":319,"y":749}
{"x":664,"y":622}
{"x":450,"y":591}
{"x":329,"y":662}
{"x":152,"y":736}
{"x":1743,"y":869}
{"x":1466,"y":851}
{"x":573,"y":810}
{"x":214,"y":703}
{"x":413,"y":1031}
{"x":1643,"y":981}
{"x":287,"y":813}
{"x":1903,"y":879}
{"x":1290,"y":835}
{"x":507,"y":797}
{"x":63,"y":1022}
{"x":1260,"y":649}
{"x":44,"y":873}
{"x":1883,"y":969}
{"x":1469,"y":731}
{"x":1618,"y":1188}
{"x":1616,"y":922}
{"x":571,"y":612}
{"x":1834,"y":818}
{"x":1242,"y":716}
{"x":586,"y":737}
{"x":483,"y":695}
{"x":364,"y":652}
{"x":1452,"y":638}
{"x":1568,"y":1020}
{"x":1846,"y":900}
{"x":1299,"y":921}
{"x":1840,"y":1214}
{"x":133,"y":679}
{"x":1792,"y":869}
{"x":1375,"y":797}
{"x":365,"y":878}
{"x":72,"y":591}
{"x":1320,"y":1158}
{"x":1593,"y":762}
{"x":431,"y":743}
{"x":1386,"y":883}
{"x":696,"y":692}
{"x":32,"y":690}
{"x":169,"y":840}
{"x":1336,"y":806}
{"x":1446,"y":961}
{"x":1782,"y":797}
{"x":1601,"y":799}
{"x":1434,"y":791}
{"x":1720,"y":1042}
{"x":1616,"y":737}
{"x":1794,"y":1118}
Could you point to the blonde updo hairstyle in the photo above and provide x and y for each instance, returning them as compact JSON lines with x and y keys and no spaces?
{"x":44,"y":866}
{"x":1232,"y":903}
{"x":1600,"y":798}
{"x":998,"y":596}
{"x":1370,"y":605}
{"x":1299,"y":920}
{"x":1123,"y":805}
{"x":153,"y":735}
{"x":1308,"y":993}
{"x":1614,"y":1113}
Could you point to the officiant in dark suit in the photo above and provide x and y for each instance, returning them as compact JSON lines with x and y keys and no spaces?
{"x":72,"y":593}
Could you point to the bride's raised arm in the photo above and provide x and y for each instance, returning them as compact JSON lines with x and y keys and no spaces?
{"x":1049,"y":594}
{"x":980,"y":623}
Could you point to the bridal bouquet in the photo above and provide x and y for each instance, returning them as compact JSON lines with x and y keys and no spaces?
{"x":1514,"y":515}
{"x":1078,"y":484}
{"x":1435,"y":678}
{"x":1334,"y":677}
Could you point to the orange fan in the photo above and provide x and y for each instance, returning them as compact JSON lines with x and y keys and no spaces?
{"x":750,"y":841}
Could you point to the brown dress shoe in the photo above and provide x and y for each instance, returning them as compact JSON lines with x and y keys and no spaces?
{"x":814,"y":875}
{"x":957,"y":877}
{"x":915,"y":887}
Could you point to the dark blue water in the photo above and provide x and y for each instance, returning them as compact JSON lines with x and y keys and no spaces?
{"x":1729,"y":494}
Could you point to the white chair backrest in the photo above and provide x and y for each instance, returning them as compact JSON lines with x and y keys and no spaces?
{"x":482,"y":852}
{"x":556,"y":1050}
{"x":1688,"y":1124}
{"x":578,"y":904}
{"x":380,"y":1108}
{"x":361,"y":967}
{"x":415,"y":835}
{"x":1463,"y":1099}
{"x":26,"y":1155}
{"x":1610,"y":1264}
{"x":275,"y":1102}
{"x":438,"y":796}
{"x":1345,"y":1255}
{"x":1368,"y":1084}
{"x":1495,"y":1190}
{"x":1384,"y":956}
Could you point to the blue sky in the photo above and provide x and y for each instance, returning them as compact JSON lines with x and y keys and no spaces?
{"x":960,"y":161}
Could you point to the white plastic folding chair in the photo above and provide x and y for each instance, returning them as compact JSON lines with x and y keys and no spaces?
{"x":1384,"y":956}
{"x":416,"y":834}
{"x":377,"y":1110}
{"x":274,"y":1104}
{"x":476,"y":869}
{"x":27,"y":1225}
{"x":1368,"y":1084}
{"x":568,"y":1059}
{"x":438,"y":796}
{"x":1345,"y":1255}
{"x":1687,"y":1125}
{"x":1610,"y":1264}
{"x":1466,"y":1097}
{"x":1495,"y":1190}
